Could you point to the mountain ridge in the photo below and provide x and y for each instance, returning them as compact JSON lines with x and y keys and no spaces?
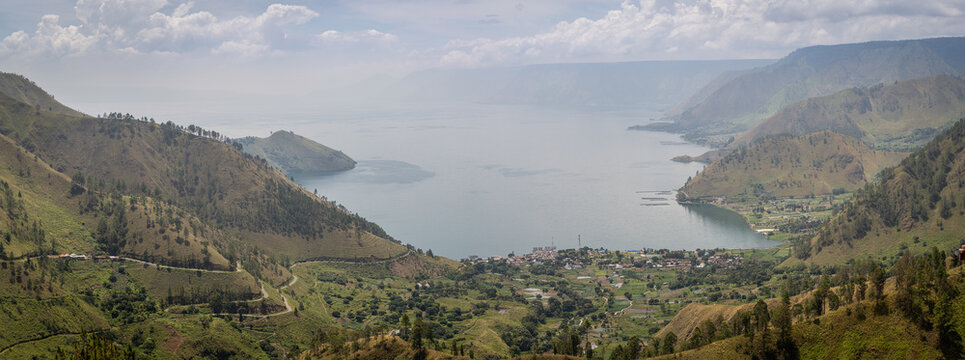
{"x":751,"y":97}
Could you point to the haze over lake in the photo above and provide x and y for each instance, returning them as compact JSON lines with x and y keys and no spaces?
{"x":488,"y":180}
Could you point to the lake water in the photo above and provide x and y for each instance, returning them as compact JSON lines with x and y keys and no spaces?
{"x":488,"y":180}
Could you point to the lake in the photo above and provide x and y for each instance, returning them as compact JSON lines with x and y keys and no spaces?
{"x":488,"y":180}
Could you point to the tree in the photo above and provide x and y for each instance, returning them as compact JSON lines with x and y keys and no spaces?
{"x":633,"y":348}
{"x":821,"y":294}
{"x":418,"y":327}
{"x":782,"y":321}
{"x":669,"y":342}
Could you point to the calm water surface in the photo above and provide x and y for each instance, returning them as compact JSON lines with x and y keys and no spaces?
{"x":489,"y":180}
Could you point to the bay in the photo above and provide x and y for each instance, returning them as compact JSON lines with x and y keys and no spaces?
{"x":488,"y":180}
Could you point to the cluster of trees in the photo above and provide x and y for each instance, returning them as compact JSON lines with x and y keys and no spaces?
{"x":128,"y":305}
{"x":111,"y":232}
{"x":926,"y":297}
{"x":750,"y":271}
{"x":21,"y":226}
{"x":218,"y":297}
{"x":96,"y":346}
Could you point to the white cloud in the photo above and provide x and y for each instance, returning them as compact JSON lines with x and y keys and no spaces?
{"x":243,"y":48}
{"x":714,"y":29}
{"x":371,"y":35}
{"x":140,"y":26}
{"x":49,"y":38}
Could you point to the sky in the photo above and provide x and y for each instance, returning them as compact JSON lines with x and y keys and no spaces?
{"x":311,"y":49}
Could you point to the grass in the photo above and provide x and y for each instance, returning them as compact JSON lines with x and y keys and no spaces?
{"x":27,"y":319}
{"x":839,"y":335}
{"x":160,"y":282}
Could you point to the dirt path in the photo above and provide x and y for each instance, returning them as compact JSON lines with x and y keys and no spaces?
{"x":237,"y":267}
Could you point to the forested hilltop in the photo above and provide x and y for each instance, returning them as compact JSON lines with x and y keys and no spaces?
{"x":918,"y":202}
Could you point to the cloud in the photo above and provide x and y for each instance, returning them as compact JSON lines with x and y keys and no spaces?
{"x":650,"y":29}
{"x":49,"y":38}
{"x":371,"y":35}
{"x":140,"y":26}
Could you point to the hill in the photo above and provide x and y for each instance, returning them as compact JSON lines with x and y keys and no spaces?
{"x":196,"y":170}
{"x":648,"y":84}
{"x":23,"y":90}
{"x":295,"y":154}
{"x":900,"y":116}
{"x":724,"y":108}
{"x":52,"y":213}
{"x":916,"y":204}
{"x":785,"y":166}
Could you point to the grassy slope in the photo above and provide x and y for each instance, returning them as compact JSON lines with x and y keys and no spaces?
{"x":792,"y":166}
{"x":904,"y":209}
{"x":903,"y":115}
{"x":748,"y":99}
{"x":838,"y":336}
{"x":293,"y":153}
{"x":26,"y":91}
{"x":44,"y":193}
{"x":47,"y":199}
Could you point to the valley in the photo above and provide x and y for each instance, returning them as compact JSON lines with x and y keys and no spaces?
{"x":827,"y":225}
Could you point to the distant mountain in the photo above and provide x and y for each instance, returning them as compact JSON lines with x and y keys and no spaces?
{"x":916,"y":205}
{"x":725,"y":108}
{"x":649,"y":84}
{"x":783,"y":166}
{"x":293,"y":153}
{"x":23,"y":90}
{"x":899,"y":116}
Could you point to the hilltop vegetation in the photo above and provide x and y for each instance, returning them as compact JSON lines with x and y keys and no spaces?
{"x":901,"y":116}
{"x":725,"y":108}
{"x":295,"y":154}
{"x":785,"y":166}
{"x":915,"y":203}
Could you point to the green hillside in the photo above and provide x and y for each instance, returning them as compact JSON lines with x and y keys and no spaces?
{"x":899,"y":116}
{"x":784,"y":166}
{"x":197,"y":171}
{"x":745,"y":100}
{"x":47,"y":212}
{"x":915,"y":205}
{"x":294,"y":154}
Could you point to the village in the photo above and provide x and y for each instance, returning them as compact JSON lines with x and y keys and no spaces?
{"x":571,"y":259}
